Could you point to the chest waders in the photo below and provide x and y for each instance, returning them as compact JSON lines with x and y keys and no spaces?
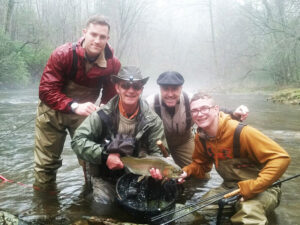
{"x":234,"y":170}
{"x":51,"y":126}
{"x":180,"y":139}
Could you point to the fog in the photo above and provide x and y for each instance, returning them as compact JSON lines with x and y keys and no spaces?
{"x":226,"y":45}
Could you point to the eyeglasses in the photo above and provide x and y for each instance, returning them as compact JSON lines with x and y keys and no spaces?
{"x":135,"y":85}
{"x":203,"y":110}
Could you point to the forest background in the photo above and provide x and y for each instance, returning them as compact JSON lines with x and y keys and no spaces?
{"x":222,"y":44}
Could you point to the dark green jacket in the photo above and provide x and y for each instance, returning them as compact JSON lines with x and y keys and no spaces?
{"x":89,"y":137}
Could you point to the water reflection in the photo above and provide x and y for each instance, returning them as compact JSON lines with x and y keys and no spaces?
{"x":70,"y":203}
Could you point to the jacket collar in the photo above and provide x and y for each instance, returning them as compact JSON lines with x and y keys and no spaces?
{"x":108,"y":50}
{"x":223,"y":118}
{"x":143,"y":117}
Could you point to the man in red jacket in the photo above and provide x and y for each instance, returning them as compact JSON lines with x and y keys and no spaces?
{"x":71,"y":82}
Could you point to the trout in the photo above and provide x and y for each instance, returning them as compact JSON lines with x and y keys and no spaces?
{"x":141,"y":166}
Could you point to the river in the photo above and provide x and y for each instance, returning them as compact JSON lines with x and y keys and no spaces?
{"x":69,"y":204}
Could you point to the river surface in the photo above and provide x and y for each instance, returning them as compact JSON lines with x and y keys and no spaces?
{"x":69,"y":204}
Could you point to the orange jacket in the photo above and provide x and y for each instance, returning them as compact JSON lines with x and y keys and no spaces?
{"x":253,"y":145}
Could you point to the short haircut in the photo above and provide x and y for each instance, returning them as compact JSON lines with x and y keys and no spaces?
{"x":202,"y":95}
{"x":97,"y":19}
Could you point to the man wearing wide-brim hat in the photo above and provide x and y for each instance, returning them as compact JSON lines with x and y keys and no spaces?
{"x":130,"y":74}
{"x":124,"y":126}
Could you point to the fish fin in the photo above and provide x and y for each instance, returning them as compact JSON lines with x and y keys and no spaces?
{"x":140,"y":178}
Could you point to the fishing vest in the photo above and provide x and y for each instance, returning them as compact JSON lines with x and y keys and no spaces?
{"x":109,"y":130}
{"x":235,"y":169}
{"x":157,"y":109}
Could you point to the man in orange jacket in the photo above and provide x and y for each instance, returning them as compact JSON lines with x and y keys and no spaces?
{"x":252,"y":162}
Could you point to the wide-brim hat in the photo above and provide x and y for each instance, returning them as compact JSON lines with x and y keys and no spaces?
{"x":172,"y":78}
{"x":129,"y":74}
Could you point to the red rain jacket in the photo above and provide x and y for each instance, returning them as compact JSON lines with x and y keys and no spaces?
{"x":57,"y":70}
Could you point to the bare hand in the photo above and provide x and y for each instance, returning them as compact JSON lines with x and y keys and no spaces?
{"x":114,"y":162}
{"x":156,"y":174}
{"x":241,"y":112}
{"x":85,"y":109}
{"x":182,"y":178}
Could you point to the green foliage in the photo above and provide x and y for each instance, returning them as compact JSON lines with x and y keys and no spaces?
{"x":13,"y":69}
{"x":19,"y":63}
{"x":279,"y":59}
{"x":287,"y":96}
{"x":257,"y":42}
{"x":278,"y":43}
{"x":6,"y":45}
{"x":36,"y":59}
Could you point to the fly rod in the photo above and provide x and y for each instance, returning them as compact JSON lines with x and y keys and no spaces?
{"x":234,"y":196}
{"x":194,"y":209}
{"x":191,"y":205}
{"x":228,"y":194}
{"x":21,"y":126}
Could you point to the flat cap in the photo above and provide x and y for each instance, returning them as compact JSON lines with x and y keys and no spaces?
{"x":130,"y":74}
{"x":170,"y":78}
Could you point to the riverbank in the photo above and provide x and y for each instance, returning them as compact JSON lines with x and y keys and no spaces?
{"x":286,"y":96}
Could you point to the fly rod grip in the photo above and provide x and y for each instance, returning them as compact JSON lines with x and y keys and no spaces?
{"x":233,"y":193}
{"x":162,"y":148}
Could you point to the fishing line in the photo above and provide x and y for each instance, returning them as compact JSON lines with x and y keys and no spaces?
{"x":21,"y":126}
{"x":5,"y":180}
{"x":212,"y":199}
{"x":192,"y":205}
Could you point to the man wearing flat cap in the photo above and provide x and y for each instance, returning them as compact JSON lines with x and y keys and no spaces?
{"x":172,"y":106}
{"x":124,"y":126}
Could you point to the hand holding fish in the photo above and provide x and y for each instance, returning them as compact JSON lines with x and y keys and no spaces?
{"x":156,"y":174}
{"x":157,"y":167}
{"x":114,"y":162}
{"x":182,"y":178}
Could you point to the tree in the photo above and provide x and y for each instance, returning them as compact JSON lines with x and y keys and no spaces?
{"x":9,"y":12}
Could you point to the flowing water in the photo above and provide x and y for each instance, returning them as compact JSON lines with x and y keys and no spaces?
{"x":69,"y":204}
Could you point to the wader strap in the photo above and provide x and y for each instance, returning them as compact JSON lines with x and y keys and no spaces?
{"x":157,"y":108}
{"x":187,"y":111}
{"x":74,"y":62}
{"x":107,"y":124}
{"x":236,"y":140}
{"x":104,"y":172}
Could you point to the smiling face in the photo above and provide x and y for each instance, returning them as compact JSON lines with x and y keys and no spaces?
{"x":170,"y":94}
{"x":95,"y":39}
{"x":129,"y":93}
{"x":204,"y":113}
